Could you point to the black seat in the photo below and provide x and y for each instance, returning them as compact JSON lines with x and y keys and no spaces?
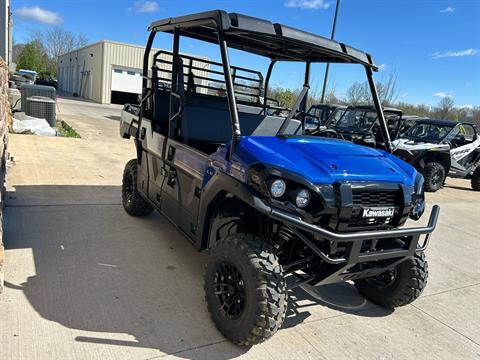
{"x":205,"y":123}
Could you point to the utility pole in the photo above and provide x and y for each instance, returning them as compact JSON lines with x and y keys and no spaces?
{"x":328,"y":64}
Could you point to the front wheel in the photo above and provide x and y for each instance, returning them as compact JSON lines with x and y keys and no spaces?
{"x":475,"y":181}
{"x":398,"y":286}
{"x":245,"y":289}
{"x":434,"y":175}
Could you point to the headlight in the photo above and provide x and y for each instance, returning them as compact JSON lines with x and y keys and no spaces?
{"x":303,"y":198}
{"x":277,"y":188}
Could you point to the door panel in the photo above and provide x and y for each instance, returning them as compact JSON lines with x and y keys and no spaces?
{"x":184,"y":174}
{"x":175,"y":179}
{"x":467,"y":143}
{"x":153,"y":142}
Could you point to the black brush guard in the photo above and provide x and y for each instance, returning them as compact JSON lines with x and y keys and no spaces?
{"x":340,"y":268}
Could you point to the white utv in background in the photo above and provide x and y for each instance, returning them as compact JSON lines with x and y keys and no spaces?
{"x":441,"y":148}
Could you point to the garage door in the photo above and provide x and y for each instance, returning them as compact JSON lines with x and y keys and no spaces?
{"x":127,"y":80}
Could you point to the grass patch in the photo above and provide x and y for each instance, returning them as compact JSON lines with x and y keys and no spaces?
{"x":65,"y":130}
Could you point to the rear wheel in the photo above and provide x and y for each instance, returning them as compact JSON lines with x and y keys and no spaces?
{"x":434,"y":174}
{"x":132,"y":201}
{"x":398,"y":286}
{"x":245,"y":289}
{"x":475,"y":181}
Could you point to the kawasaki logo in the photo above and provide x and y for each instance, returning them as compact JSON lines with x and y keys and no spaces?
{"x":378,"y":212}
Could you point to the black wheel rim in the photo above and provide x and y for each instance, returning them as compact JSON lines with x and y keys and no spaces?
{"x":436,"y":178}
{"x":383,"y":280}
{"x":129,"y":188}
{"x":229,"y":289}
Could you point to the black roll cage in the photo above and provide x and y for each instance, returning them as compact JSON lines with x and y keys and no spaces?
{"x":261,"y":37}
{"x":454,"y":126}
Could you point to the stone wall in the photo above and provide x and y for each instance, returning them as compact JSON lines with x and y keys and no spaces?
{"x":5,"y":120}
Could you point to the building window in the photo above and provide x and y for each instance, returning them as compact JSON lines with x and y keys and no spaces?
{"x":118,"y":71}
{"x":131,"y":72}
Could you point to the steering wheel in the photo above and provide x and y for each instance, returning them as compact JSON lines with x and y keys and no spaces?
{"x":459,"y":140}
{"x":330,"y":133}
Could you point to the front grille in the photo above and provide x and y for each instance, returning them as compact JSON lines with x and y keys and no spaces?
{"x":350,"y":213}
{"x":377,"y":198}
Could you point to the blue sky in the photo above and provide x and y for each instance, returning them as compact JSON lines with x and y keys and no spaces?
{"x":432,"y":45}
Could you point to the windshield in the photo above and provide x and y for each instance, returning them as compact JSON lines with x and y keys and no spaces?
{"x":428,"y":132}
{"x":357,"y":120}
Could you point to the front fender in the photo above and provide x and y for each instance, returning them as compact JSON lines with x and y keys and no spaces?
{"x":217,"y":188}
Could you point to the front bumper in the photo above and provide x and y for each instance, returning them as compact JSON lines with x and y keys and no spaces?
{"x":346,"y":267}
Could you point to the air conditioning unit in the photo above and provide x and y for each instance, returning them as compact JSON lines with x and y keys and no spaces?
{"x":14,"y":99}
{"x":28,"y":90}
{"x":43,"y":108}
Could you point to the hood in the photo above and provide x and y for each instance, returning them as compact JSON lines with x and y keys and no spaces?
{"x":324,"y":161}
{"x":413,"y":145}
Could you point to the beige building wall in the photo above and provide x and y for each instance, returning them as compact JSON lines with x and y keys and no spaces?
{"x":79,"y":72}
{"x":121,"y":55}
{"x":88,"y":70}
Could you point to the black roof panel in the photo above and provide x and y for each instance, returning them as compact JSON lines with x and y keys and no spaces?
{"x":373,"y":108}
{"x":438,"y":122}
{"x":262,"y":37}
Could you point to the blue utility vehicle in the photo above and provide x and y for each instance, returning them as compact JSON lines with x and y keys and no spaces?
{"x":275,"y":208}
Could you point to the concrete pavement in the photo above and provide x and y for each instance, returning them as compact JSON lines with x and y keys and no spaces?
{"x":85,"y":280}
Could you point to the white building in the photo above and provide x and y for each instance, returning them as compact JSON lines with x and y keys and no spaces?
{"x":6,"y":31}
{"x":105,"y":72}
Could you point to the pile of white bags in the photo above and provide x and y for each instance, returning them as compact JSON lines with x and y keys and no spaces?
{"x":27,"y":124}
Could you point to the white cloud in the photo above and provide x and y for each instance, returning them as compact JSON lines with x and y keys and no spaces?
{"x":442,"y":95}
{"x":448,"y":10}
{"x":308,"y":4}
{"x":145,"y":6}
{"x":382,"y":67}
{"x":37,"y":14}
{"x":450,"y":53}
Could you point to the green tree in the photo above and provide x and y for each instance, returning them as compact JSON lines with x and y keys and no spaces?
{"x":285,"y":97}
{"x":32,"y":57}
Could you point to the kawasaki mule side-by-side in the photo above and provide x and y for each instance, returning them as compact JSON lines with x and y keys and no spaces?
{"x":242,"y":181}
{"x":440,"y":148}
